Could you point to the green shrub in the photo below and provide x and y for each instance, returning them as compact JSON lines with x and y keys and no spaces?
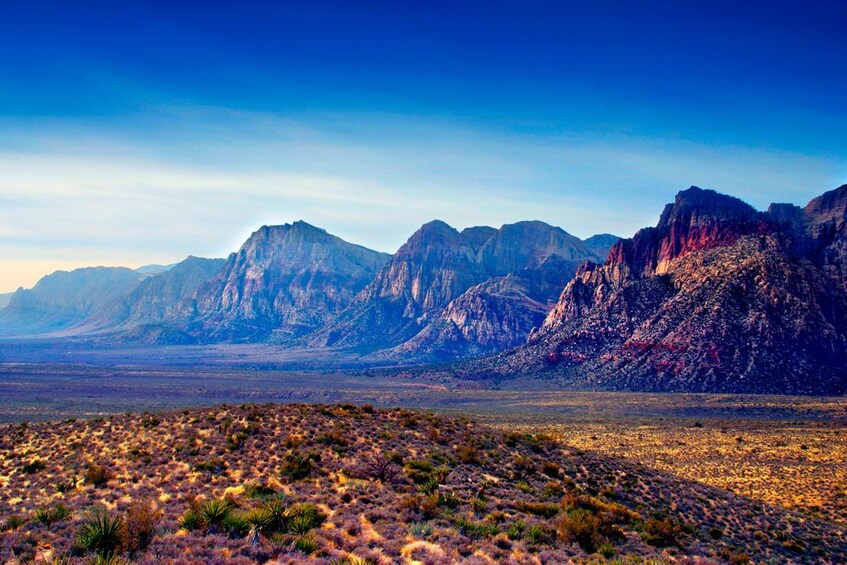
{"x":213,"y":512}
{"x":277,"y":515}
{"x":581,"y":527}
{"x":542,"y":509}
{"x":303,"y":517}
{"x":236,"y":524}
{"x":606,"y":549}
{"x":420,"y":530}
{"x":12,"y":523}
{"x":191,"y":520}
{"x":212,"y":466}
{"x":449,"y":500}
{"x":33,"y":467}
{"x":661,"y":532}
{"x":48,"y":516}
{"x":533,"y":534}
{"x":101,"y":534}
{"x":96,"y":475}
{"x":516,"y":530}
{"x":306,"y":544}
{"x":296,"y":466}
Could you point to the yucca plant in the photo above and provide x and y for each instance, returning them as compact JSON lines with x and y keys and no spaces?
{"x":303,"y":517}
{"x":213,"y":512}
{"x":306,"y":544}
{"x":191,"y":520}
{"x":236,"y":524}
{"x":101,"y":534}
{"x":12,"y":523}
{"x":516,"y":530}
{"x":48,"y":516}
{"x":277,"y":515}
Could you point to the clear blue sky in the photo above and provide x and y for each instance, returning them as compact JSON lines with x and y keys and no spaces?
{"x":134,"y":132}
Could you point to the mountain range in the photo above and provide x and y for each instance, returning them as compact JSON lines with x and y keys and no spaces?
{"x":716,"y":297}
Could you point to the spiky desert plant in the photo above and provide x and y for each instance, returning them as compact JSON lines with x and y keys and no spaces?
{"x":214,"y":511}
{"x":307,"y":544}
{"x":49,"y":516}
{"x":277,"y":515}
{"x":101,"y":534}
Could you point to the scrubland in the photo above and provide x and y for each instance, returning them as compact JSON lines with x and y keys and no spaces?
{"x":356,"y":484}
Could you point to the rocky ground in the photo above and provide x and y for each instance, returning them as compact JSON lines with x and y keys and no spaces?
{"x":354,"y":484}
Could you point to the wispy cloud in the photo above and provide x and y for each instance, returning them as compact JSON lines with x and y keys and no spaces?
{"x":199,"y":180}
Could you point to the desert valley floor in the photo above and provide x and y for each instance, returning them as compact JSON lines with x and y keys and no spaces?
{"x":725,"y":478}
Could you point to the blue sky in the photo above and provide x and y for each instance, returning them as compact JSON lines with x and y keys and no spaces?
{"x":137,"y":132}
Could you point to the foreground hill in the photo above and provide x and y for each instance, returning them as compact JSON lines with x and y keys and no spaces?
{"x":717,"y":297}
{"x":347,"y":484}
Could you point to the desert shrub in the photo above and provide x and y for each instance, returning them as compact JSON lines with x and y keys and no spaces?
{"x":606,"y":549}
{"x":307,"y":544}
{"x":475,"y":529}
{"x":33,"y":467}
{"x":151,"y":422}
{"x":191,"y":520}
{"x":96,"y":475}
{"x":553,"y":490}
{"x":139,"y":526}
{"x":468,"y":454}
{"x":428,"y":506}
{"x":303,"y":517}
{"x":260,"y":491}
{"x":49,"y":516}
{"x":380,"y":468}
{"x":212,"y":466}
{"x":661,"y":532}
{"x":533,"y":534}
{"x":524,"y":487}
{"x":333,"y":437}
{"x":429,"y":487}
{"x":479,"y":504}
{"x":550,"y":469}
{"x":296,"y":465}
{"x":277,"y":515}
{"x":236,"y":524}
{"x":581,"y":527}
{"x":235,"y":441}
{"x":65,"y":486}
{"x":213,"y":512}
{"x":449,"y":500}
{"x":516,"y":530}
{"x":420,"y":530}
{"x":539,"y":509}
{"x":12,"y":523}
{"x":101,"y":534}
{"x":715,"y":533}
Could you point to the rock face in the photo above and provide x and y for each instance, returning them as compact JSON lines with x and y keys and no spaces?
{"x":159,"y":307}
{"x":716,"y":297}
{"x":66,"y":299}
{"x":284,"y":281}
{"x":447,"y":293}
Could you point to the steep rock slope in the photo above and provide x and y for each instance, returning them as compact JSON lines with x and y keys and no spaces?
{"x":285,"y":280}
{"x":716,"y":297}
{"x":446,"y":294}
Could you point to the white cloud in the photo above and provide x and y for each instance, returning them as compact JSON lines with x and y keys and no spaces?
{"x":200,"y":183}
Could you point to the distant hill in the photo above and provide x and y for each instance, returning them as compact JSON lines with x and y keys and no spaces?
{"x":448,"y":294}
{"x":5,"y":297}
{"x":66,"y":299}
